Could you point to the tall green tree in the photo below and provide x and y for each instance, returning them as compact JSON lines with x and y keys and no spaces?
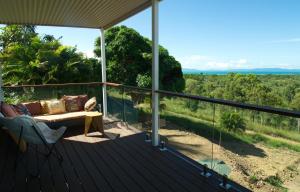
{"x":129,"y":60}
{"x":28,"y":58}
{"x":16,"y":34}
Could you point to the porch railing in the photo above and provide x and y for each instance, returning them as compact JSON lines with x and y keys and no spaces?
{"x":256,"y":146}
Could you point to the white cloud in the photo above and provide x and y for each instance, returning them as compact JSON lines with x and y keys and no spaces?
{"x":292,"y":40}
{"x":89,"y":53}
{"x":201,"y":62}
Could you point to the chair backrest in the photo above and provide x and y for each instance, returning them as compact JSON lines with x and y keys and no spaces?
{"x":31,"y":134}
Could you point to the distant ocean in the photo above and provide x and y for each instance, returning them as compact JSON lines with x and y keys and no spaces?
{"x":261,"y":71}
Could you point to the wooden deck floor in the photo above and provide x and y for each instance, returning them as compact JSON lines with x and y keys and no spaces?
{"x":93,"y":163}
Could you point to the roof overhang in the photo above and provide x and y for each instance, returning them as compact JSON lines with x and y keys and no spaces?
{"x":70,"y":13}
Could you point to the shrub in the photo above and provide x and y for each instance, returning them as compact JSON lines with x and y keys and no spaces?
{"x":232,"y":121}
{"x":192,"y":105}
{"x":274,"y":180}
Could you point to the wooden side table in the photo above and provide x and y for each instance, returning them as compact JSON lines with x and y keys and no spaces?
{"x":95,"y":120}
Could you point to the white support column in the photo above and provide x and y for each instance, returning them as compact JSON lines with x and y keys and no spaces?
{"x":155,"y":74}
{"x":1,"y":83}
{"x":103,"y":63}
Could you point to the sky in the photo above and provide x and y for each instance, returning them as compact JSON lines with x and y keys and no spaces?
{"x":214,"y":34}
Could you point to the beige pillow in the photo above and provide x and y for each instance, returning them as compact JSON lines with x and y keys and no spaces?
{"x":90,"y":104}
{"x":56,"y":106}
{"x":45,"y":109}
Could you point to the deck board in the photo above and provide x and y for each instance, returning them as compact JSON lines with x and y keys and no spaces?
{"x":143,"y":175}
{"x":94,"y":163}
{"x":151,"y":167}
{"x":176,"y":178}
{"x":174,"y":164}
{"x":105,"y":168}
{"x":73,"y":181}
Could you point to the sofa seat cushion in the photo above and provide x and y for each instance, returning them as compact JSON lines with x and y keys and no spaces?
{"x":61,"y":117}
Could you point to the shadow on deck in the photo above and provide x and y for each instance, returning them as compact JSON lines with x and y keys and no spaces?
{"x":125,"y":162}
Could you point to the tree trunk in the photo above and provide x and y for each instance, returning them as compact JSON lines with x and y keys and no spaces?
{"x":298,"y":126}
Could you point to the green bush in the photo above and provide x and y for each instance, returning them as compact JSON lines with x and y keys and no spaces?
{"x":192,"y":105}
{"x":232,"y":121}
{"x":274,"y":180}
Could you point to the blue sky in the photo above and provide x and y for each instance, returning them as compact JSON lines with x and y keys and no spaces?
{"x":215,"y":34}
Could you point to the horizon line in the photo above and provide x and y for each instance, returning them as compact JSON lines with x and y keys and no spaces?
{"x":266,"y":68}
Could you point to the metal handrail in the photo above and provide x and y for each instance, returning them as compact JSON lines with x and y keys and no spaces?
{"x":267,"y":109}
{"x":54,"y":85}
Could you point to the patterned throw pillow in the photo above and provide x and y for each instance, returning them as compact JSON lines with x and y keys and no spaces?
{"x":56,"y":106}
{"x":22,"y":109}
{"x":72,"y":104}
{"x":90,"y":104}
{"x":82,"y":99}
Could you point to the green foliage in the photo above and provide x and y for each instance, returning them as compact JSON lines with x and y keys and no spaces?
{"x":194,"y":87}
{"x":270,"y":130}
{"x":232,"y":121}
{"x":280,"y":91}
{"x":253,"y":179}
{"x":274,"y":180}
{"x":143,"y":81}
{"x":30,"y":59}
{"x":16,"y":34}
{"x":129,"y":60}
{"x":192,"y":105}
{"x":295,"y":104}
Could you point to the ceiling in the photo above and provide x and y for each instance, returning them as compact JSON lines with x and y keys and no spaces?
{"x":70,"y":13}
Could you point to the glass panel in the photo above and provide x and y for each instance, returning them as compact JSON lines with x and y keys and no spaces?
{"x":260,"y":150}
{"x":188,"y":126}
{"x":137,"y":109}
{"x":115,"y":103}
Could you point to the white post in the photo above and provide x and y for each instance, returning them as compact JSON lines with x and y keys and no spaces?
{"x":103,"y":63}
{"x":155,"y":74}
{"x":1,"y":83}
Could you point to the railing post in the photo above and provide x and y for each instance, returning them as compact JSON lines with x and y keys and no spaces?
{"x":103,"y":63}
{"x":1,"y":83}
{"x":155,"y":74}
{"x":123,"y":103}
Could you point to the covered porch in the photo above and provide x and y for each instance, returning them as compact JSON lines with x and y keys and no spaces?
{"x":123,"y":159}
{"x":122,"y":162}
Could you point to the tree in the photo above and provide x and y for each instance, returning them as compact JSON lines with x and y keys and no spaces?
{"x":193,"y":87}
{"x":129,"y":60}
{"x":232,"y":121}
{"x":30,"y":59}
{"x":16,"y":34}
{"x":295,"y":104}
